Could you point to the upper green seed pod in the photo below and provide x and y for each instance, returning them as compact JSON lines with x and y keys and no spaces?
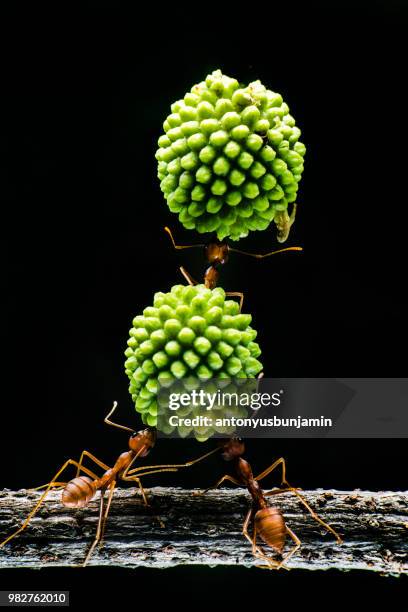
{"x":224,"y":145}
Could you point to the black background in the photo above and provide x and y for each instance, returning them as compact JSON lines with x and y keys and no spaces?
{"x":84,"y":246}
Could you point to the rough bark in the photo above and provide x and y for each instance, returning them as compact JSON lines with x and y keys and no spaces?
{"x":206,"y":530}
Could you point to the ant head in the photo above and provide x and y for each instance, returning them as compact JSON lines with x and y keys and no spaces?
{"x":233,"y":448}
{"x":142,"y":441}
{"x":216,"y":252}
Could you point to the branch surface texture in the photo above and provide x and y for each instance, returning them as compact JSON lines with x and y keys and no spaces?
{"x":206,"y":530}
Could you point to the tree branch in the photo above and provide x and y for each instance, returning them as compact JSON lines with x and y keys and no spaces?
{"x":206,"y":530}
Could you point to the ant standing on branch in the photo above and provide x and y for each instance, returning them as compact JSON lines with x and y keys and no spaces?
{"x":267,"y":522}
{"x":79,"y":491}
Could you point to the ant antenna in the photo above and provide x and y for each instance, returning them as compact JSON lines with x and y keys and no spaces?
{"x":182,"y":246}
{"x":261,"y":256}
{"x":191,"y":281}
{"x":108,"y":422}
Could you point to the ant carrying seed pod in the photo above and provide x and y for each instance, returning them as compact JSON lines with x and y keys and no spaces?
{"x":79,"y":491}
{"x":267,"y":522}
{"x":217,"y":254}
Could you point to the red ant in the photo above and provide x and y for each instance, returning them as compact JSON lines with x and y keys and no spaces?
{"x":78,"y":492}
{"x":267,"y":521}
{"x":217,"y":254}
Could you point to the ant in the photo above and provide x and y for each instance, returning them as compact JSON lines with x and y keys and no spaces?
{"x":217,"y":254}
{"x":78,"y":492}
{"x":267,"y":521}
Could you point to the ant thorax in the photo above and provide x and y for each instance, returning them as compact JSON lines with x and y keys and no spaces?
{"x":211,"y":277}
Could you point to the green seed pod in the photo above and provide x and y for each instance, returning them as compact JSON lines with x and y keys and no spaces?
{"x":203,"y":174}
{"x":232,"y":149}
{"x":250,"y":190}
{"x":208,"y":154}
{"x":220,"y":139}
{"x":236,"y":178}
{"x":205,"y":110}
{"x":190,"y":332}
{"x":221,"y":166}
{"x":219,"y":187}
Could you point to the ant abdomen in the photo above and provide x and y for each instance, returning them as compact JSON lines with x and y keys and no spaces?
{"x":78,"y":492}
{"x":270,"y":525}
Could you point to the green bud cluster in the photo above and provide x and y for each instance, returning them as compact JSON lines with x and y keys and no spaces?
{"x":230,"y":159}
{"x":190,"y":331}
{"x":218,"y":416}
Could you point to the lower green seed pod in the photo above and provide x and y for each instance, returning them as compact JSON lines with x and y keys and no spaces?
{"x":190,"y":332}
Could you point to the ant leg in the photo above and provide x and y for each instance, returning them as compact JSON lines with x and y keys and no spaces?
{"x":263,"y":255}
{"x":278,"y":491}
{"x":49,"y":486}
{"x":143,"y":492}
{"x":125,"y":476}
{"x":139,"y":482}
{"x":86,"y":453}
{"x":275,"y":464}
{"x":105,"y":516}
{"x":245,"y":532}
{"x":191,"y":281}
{"x":147,"y":470}
{"x":218,"y":484}
{"x":132,"y":478}
{"x":293,"y":550}
{"x":252,"y":540}
{"x":79,"y":468}
{"x":236,"y":294}
{"x":182,"y":246}
{"x":98,"y":530}
{"x":245,"y":526}
{"x":310,"y":510}
{"x":55,"y":486}
{"x":151,"y":469}
{"x":281,"y":461}
{"x":168,"y":467}
{"x":137,"y":479}
{"x":259,"y":553}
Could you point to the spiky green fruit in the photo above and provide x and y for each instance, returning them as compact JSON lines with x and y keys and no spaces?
{"x":190,"y":331}
{"x":230,"y":159}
